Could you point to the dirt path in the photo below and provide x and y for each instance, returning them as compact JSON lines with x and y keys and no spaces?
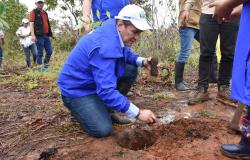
{"x":31,"y":122}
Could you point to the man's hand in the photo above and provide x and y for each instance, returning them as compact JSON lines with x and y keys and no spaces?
{"x":184,"y":17}
{"x":33,"y":38}
{"x":236,"y":12}
{"x":53,"y":37}
{"x":146,"y":62}
{"x":147,"y":116}
{"x":223,"y":9}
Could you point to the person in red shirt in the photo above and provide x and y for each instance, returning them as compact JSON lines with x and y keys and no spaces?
{"x":41,"y":33}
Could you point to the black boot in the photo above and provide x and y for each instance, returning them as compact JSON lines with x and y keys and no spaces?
{"x":241,"y":150}
{"x":213,"y":76}
{"x":178,"y":76}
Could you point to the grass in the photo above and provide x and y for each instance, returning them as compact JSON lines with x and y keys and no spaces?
{"x":32,"y":79}
{"x":160,"y":96}
{"x":208,"y":115}
{"x":164,"y":45}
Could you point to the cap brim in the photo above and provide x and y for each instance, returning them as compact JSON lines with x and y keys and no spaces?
{"x":39,"y":1}
{"x":141,"y":25}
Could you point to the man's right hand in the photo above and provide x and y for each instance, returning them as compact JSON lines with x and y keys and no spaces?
{"x":185,"y":17}
{"x":33,"y":38}
{"x":146,"y":116}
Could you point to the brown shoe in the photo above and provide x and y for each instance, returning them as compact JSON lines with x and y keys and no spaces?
{"x":223,"y":96}
{"x":224,"y":92}
{"x":199,"y":96}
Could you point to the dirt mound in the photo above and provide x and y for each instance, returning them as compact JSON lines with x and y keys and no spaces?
{"x":189,"y":129}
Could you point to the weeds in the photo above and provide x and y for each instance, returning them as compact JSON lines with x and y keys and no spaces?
{"x":161,"y":96}
{"x":207,"y":115}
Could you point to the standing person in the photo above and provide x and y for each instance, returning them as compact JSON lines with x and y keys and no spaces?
{"x":100,"y":10}
{"x":189,"y":29}
{"x":210,"y":28}
{"x":1,"y":48}
{"x":41,"y":33}
{"x":91,"y":76}
{"x":26,"y":42}
{"x":224,"y":9}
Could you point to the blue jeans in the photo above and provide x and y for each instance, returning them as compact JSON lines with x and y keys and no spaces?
{"x":91,"y":112}
{"x":43,"y":42}
{"x":187,"y":35}
{"x":33,"y":49}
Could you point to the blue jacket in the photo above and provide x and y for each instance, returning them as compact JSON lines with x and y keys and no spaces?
{"x":111,"y":6}
{"x":94,"y":66}
{"x":241,"y":66}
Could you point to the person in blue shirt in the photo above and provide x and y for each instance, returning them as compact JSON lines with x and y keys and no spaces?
{"x":106,"y":8}
{"x":225,"y":10}
{"x":101,"y":10}
{"x":91,"y":76}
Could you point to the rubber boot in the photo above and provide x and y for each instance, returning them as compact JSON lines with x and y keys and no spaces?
{"x":242,"y":149}
{"x":178,"y":76}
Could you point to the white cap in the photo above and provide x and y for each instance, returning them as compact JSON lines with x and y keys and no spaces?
{"x":25,"y":20}
{"x":136,"y":15}
{"x":39,"y":1}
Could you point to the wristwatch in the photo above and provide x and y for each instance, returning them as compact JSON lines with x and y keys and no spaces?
{"x":137,"y":116}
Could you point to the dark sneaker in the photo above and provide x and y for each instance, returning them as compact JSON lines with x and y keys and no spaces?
{"x":118,"y":120}
{"x":199,"y":96}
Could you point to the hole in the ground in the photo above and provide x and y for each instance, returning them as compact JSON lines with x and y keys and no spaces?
{"x":136,"y":139}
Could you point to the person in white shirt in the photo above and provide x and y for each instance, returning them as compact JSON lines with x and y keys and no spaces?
{"x":26,"y":42}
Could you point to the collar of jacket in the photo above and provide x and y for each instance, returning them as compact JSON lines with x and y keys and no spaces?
{"x":110,"y":46}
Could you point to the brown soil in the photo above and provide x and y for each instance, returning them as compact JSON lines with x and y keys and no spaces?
{"x":35,"y":124}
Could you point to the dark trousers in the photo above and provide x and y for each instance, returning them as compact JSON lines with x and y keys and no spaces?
{"x":209,"y":31}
